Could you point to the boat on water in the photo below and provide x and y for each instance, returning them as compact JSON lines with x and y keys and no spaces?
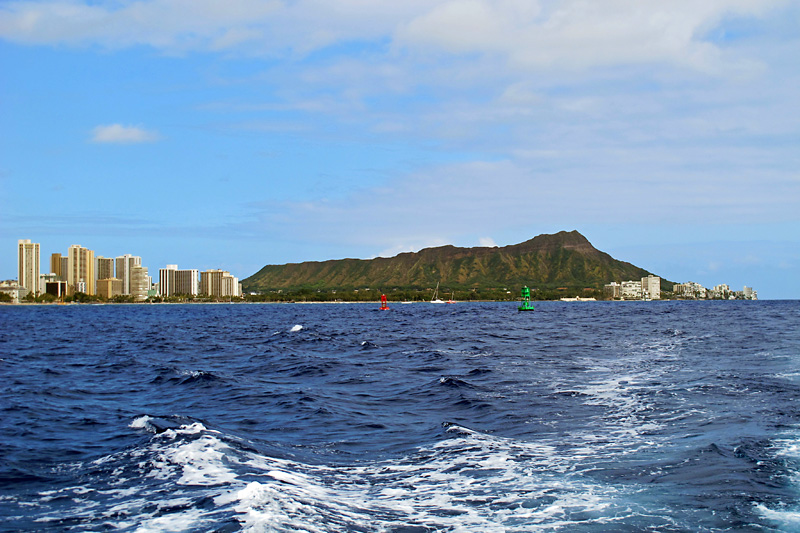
{"x":452,"y":299}
{"x":435,"y":299}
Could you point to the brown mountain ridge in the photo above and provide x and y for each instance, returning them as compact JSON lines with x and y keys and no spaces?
{"x":564,"y":259}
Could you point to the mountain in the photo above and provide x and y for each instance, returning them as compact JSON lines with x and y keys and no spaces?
{"x":564,"y":259}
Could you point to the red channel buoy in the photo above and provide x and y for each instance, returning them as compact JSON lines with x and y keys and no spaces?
{"x":384,"y":306}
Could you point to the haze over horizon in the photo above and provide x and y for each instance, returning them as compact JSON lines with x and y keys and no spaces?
{"x":251,"y":132}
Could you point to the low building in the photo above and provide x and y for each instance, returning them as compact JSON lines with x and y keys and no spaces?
{"x":56,"y":288}
{"x":108,"y":288}
{"x":690,"y":290}
{"x":631,"y":290}
{"x":721,"y":292}
{"x":612,"y":290}
{"x":748,"y":293}
{"x":44,"y":279}
{"x":16,"y":291}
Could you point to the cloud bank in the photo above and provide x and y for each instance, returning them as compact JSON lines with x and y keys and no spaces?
{"x":521,"y":33}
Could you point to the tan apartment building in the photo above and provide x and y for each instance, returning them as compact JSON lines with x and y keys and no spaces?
{"x":219,"y":284}
{"x":80,"y":270}
{"x":109,"y":287}
{"x":28,"y":257}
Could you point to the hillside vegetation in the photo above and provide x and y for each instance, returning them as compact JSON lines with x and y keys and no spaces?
{"x":562,"y":260}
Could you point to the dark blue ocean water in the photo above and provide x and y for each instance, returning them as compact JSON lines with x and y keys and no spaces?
{"x":580,"y":416}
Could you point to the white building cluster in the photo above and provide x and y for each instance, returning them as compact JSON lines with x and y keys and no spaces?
{"x":80,"y":271}
{"x":694,"y":291}
{"x":648,"y":288}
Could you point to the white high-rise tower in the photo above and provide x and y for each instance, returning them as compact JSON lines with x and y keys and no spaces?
{"x":124,"y":264}
{"x":28,"y":256}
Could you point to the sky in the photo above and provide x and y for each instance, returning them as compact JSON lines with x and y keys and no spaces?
{"x":243,"y":133}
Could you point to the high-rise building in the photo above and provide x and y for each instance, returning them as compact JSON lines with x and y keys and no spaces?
{"x":57,"y":266}
{"x":105,"y":267}
{"x":219,"y":284}
{"x":166,"y":280}
{"x":139,"y":283}
{"x":651,"y":287}
{"x":80,"y":270}
{"x":187,"y":282}
{"x":124,"y":264}
{"x":172,"y":281}
{"x":28,"y":256}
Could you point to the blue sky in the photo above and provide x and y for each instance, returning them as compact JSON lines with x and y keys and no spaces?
{"x":242,"y":133}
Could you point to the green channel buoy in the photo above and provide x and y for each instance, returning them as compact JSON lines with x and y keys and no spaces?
{"x":526,"y":304}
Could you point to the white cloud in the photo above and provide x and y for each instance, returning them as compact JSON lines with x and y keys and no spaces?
{"x":521,"y":33}
{"x":578,"y":34}
{"x":461,"y":203}
{"x":119,"y":134}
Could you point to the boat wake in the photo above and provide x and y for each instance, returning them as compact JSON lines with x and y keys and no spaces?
{"x":184,"y":476}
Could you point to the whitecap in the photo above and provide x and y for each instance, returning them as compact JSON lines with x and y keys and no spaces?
{"x":296,"y":327}
{"x":140,"y":423}
{"x":787,"y":518}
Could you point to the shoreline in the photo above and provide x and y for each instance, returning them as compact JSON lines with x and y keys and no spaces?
{"x":375,"y":302}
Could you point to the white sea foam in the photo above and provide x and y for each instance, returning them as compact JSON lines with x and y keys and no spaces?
{"x":141,"y":422}
{"x":202,"y":462}
{"x":184,"y":521}
{"x":296,"y":327}
{"x":787,"y":519}
{"x":467,"y":482}
{"x":460,"y":484}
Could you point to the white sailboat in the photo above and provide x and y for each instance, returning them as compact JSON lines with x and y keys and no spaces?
{"x":436,"y":299}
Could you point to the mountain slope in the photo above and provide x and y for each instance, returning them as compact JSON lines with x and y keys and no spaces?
{"x":564,"y":259}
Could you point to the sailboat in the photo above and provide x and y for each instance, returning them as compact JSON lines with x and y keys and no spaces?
{"x":436,"y":299}
{"x":452,"y":299}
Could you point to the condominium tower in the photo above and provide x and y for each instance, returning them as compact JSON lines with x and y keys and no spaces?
{"x":58,"y":266}
{"x":80,"y":270}
{"x":105,"y":267}
{"x":172,"y":281}
{"x":124,"y":265}
{"x":28,"y":256}
{"x":219,"y":283}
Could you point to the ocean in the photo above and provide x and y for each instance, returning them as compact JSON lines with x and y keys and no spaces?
{"x":473,"y":417}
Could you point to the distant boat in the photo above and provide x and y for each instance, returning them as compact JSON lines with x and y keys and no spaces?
{"x":436,"y":299}
{"x":452,"y":299}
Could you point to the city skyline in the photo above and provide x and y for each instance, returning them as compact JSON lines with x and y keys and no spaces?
{"x":83,"y":271}
{"x":249,"y":133}
{"x":171,"y":280}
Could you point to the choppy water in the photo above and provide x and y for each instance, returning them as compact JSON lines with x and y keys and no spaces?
{"x":587,"y":417}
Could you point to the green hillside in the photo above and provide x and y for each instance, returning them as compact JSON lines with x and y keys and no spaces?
{"x":565,"y":259}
